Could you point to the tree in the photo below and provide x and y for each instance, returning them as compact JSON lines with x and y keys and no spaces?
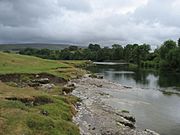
{"x":65,"y":55}
{"x":127,"y":52}
{"x":166,"y":47}
{"x":136,"y":55}
{"x":165,"y":57}
{"x":173,"y":59}
{"x":115,"y":46}
{"x":117,"y":52}
{"x":73,"y":48}
{"x":179,"y":42}
{"x":144,"y":51}
{"x":94,"y":47}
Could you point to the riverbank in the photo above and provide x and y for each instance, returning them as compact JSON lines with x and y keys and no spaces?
{"x":32,"y":100}
{"x":95,"y":114}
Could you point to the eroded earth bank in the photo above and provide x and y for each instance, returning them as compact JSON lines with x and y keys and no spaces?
{"x":95,"y":114}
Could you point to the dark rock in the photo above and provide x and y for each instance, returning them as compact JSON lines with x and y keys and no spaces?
{"x":33,"y":84}
{"x":44,"y":112}
{"x":78,"y":104}
{"x":67,"y":89}
{"x":127,"y":87}
{"x":129,"y":118}
{"x":100,"y":85}
{"x":93,"y":76}
{"x":128,"y":124}
{"x":100,"y":76}
{"x":151,"y":132}
{"x":109,"y":132}
{"x":104,"y":94}
{"x":72,"y":85}
{"x":126,"y":116}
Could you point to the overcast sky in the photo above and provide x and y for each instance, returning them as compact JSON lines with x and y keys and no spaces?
{"x":84,"y":21}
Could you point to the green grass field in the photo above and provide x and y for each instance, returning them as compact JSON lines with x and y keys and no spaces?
{"x":18,"y":118}
{"x":15,"y":63}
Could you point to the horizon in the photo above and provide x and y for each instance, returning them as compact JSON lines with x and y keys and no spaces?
{"x":153,"y":47}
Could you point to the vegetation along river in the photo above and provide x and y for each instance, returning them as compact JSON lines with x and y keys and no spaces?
{"x":153,"y":97}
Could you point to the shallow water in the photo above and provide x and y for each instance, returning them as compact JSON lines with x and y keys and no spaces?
{"x":152,"y":108}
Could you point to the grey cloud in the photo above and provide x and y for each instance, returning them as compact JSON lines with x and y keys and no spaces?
{"x":84,"y":21}
{"x":159,"y":11}
{"x":21,"y":12}
{"x":75,"y":5}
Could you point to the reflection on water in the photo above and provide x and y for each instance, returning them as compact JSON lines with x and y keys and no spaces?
{"x":138,"y":78}
{"x":152,"y":108}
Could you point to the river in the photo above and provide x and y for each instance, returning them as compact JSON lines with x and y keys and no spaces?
{"x":153,"y":98}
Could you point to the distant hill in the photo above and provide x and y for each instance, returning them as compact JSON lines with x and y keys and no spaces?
{"x":17,"y":47}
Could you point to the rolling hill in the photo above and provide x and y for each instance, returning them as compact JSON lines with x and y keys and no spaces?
{"x":17,"y":47}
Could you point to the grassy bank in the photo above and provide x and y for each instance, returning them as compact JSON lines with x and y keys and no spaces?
{"x":14,"y":63}
{"x":32,"y":111}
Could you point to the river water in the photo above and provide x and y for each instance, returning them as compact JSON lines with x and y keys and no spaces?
{"x":154,"y":98}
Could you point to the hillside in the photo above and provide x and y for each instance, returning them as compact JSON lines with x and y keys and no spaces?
{"x":14,"y":63}
{"x":17,"y":47}
{"x":32,"y":99}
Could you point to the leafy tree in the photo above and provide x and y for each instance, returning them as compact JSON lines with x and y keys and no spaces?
{"x":77,"y":55}
{"x":173,"y":59}
{"x":65,"y":55}
{"x":117,"y":52}
{"x":166,"y":47}
{"x":115,"y":46}
{"x":179,"y":42}
{"x":127,"y":52}
{"x":73,"y":48}
{"x":94,"y":47}
{"x":165,"y":57}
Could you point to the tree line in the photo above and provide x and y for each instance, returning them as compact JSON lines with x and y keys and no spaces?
{"x":167,"y":56}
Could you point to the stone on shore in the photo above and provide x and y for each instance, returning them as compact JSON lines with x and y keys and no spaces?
{"x":95,"y":114}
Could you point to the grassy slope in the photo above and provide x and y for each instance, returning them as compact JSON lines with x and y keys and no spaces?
{"x":14,"y":63}
{"x":16,"y":118}
{"x":33,"y":45}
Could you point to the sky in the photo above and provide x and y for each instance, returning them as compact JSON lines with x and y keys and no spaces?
{"x":89,"y":21}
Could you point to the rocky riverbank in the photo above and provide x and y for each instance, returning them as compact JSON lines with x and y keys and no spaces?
{"x":95,"y":116}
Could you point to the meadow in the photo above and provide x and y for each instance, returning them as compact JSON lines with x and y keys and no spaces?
{"x":31,"y":111}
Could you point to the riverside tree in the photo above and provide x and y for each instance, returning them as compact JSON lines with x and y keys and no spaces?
{"x":166,"y":57}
